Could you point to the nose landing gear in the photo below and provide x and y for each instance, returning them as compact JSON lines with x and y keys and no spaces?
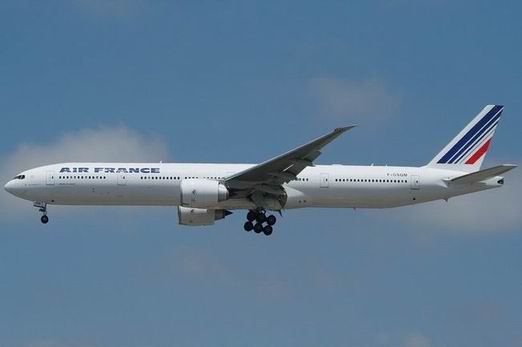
{"x":42,"y":207}
{"x":256,"y":219}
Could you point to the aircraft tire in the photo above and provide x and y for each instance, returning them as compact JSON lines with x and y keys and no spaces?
{"x":248,"y":226}
{"x":258,"y":227}
{"x":251,"y":216}
{"x":261,"y":218}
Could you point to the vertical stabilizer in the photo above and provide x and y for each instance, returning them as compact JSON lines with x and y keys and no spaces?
{"x":467,"y":150}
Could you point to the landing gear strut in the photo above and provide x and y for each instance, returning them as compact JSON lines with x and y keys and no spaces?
{"x":42,"y":207}
{"x":256,"y":219}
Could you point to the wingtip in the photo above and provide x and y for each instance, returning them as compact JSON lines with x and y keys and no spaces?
{"x":346,"y":128}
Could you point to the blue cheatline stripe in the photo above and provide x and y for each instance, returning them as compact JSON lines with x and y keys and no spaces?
{"x":472,"y":142}
{"x":470,"y":148}
{"x":487,"y":117}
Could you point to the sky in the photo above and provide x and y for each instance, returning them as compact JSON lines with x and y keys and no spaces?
{"x":243,"y":81}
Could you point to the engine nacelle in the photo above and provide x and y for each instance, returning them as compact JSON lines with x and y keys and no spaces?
{"x":200,"y":216}
{"x":202,"y":193}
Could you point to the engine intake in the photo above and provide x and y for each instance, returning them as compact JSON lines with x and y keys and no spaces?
{"x":200,"y":216}
{"x":202,"y":193}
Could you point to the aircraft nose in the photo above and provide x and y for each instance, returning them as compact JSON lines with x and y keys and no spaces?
{"x":9,"y":187}
{"x":14,"y":187}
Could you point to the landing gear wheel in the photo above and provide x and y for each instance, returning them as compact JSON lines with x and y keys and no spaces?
{"x":258,"y":228}
{"x":261,"y":218}
{"x":248,"y":226}
{"x":251,"y":216}
{"x":271,"y":220}
{"x":44,"y":219}
{"x":267,"y":230}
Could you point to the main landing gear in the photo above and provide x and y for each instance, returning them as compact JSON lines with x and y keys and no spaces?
{"x":256,"y":219}
{"x":42,"y":207}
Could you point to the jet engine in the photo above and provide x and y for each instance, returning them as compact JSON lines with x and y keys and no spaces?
{"x":202,"y":193}
{"x":200,"y":216}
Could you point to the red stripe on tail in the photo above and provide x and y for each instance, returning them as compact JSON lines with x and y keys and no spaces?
{"x":479,"y":153}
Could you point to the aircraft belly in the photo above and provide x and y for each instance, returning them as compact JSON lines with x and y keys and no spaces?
{"x":113,"y":195}
{"x":350,"y":198}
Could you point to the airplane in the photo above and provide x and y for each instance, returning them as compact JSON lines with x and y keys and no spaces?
{"x":204,"y":193}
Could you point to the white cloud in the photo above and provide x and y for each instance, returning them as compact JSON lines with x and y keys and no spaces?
{"x":202,"y":265}
{"x":370,"y":98}
{"x":109,"y":144}
{"x":493,"y":210}
{"x":196,"y":264}
{"x":416,"y":340}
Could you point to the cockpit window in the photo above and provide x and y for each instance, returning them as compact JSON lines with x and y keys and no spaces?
{"x":19,"y":177}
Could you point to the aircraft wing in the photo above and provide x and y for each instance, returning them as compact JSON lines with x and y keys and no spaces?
{"x":268,"y":176}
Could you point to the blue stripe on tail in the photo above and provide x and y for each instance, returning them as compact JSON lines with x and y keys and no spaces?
{"x":488,"y":129}
{"x":496,"y":110}
{"x":491,"y":124}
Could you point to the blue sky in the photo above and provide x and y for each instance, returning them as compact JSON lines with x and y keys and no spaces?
{"x":208,"y":81}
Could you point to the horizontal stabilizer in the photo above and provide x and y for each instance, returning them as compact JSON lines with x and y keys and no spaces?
{"x":484,"y":174}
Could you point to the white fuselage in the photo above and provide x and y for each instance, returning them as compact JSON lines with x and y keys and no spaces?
{"x":158,"y":184}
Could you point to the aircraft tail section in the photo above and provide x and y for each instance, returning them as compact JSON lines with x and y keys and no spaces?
{"x":467,"y":150}
{"x":483,"y":175}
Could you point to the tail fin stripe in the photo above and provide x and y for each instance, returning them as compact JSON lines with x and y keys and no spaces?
{"x":479,"y":153}
{"x":490,"y":125}
{"x":477,"y":144}
{"x":496,"y":110}
{"x":468,"y":148}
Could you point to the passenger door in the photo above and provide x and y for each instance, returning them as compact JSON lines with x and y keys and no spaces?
{"x":324,"y":180}
{"x":122,"y":179}
{"x":415,"y":182}
{"x":49,"y":178}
